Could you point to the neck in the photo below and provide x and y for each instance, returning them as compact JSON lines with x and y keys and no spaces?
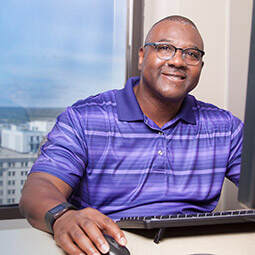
{"x":159,"y":110}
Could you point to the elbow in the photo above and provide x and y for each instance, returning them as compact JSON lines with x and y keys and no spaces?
{"x":24,"y":213}
{"x":24,"y":210}
{"x":22,"y":207}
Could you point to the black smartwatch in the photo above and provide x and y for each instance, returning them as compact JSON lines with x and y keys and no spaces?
{"x":53,"y":214}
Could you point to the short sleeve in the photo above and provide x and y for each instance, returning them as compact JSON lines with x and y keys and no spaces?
{"x":64,"y":154}
{"x":234,"y":162}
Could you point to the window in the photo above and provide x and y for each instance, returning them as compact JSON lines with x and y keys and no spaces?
{"x":11,"y":182}
{"x":24,"y":173}
{"x":10,"y":164}
{"x":45,"y":70}
{"x":22,"y":164}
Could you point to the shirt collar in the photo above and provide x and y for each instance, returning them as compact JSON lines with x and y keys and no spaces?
{"x":128,"y":108}
{"x":187,"y":112}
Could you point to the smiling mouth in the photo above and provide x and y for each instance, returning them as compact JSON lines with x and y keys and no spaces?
{"x":175,"y":77}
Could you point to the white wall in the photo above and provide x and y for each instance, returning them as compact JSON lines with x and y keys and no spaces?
{"x":239,"y":41}
{"x":225,"y":27}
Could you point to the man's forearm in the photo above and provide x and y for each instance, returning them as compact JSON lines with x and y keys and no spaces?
{"x":38,"y":196}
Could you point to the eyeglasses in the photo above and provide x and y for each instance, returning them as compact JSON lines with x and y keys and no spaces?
{"x":166,"y":51}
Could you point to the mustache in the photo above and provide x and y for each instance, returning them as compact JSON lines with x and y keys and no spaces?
{"x":174,"y":69}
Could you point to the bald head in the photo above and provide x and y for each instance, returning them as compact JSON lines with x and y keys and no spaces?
{"x":174,"y":18}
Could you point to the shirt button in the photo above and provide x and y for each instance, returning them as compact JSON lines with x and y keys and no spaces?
{"x":160,"y":152}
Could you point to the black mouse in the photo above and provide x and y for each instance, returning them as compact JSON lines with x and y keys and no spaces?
{"x":115,"y":248}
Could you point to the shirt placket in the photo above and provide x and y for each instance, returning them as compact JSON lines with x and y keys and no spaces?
{"x":161,"y":152}
{"x":160,"y":160}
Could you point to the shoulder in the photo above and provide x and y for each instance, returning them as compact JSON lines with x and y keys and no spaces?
{"x":99,"y":103}
{"x":93,"y":107}
{"x":102,"y":101}
{"x":215,"y":116}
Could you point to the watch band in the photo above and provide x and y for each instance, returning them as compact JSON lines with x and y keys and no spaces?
{"x":53,"y":214}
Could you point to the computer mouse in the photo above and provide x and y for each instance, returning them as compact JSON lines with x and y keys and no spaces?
{"x":115,"y":248}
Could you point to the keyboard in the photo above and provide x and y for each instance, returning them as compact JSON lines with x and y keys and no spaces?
{"x":184,"y":220}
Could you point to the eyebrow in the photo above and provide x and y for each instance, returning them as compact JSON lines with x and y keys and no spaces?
{"x":170,"y":41}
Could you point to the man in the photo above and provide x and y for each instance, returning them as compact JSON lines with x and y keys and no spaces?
{"x":148,"y":149}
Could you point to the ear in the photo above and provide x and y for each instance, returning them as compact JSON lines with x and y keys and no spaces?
{"x":140,"y":58}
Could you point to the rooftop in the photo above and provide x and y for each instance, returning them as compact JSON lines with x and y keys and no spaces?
{"x":9,"y":154}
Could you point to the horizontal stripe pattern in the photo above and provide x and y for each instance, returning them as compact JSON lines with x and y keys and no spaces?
{"x":125,"y":165}
{"x":169,"y":171}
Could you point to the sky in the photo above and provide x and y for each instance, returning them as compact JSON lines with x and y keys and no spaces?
{"x":56,"y":52}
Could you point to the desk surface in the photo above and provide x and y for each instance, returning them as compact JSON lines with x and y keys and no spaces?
{"x":18,"y":238}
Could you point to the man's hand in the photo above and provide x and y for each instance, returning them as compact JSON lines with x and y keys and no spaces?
{"x":76,"y":232}
{"x":80,"y":232}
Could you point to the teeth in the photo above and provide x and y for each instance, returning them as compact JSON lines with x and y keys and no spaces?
{"x":174,"y":77}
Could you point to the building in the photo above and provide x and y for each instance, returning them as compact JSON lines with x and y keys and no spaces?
{"x":21,"y":139}
{"x":18,"y":151}
{"x":41,"y":125}
{"x":14,"y":167}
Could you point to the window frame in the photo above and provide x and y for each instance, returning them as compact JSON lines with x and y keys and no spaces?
{"x":8,"y":212}
{"x":135,"y":18}
{"x":135,"y":30}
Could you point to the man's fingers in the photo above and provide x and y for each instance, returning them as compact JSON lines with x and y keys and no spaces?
{"x":111,"y":228}
{"x":80,"y":238}
{"x":66,"y":243}
{"x":104,"y":223}
{"x":95,"y":235}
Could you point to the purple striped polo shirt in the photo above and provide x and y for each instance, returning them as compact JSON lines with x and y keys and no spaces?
{"x":120,"y":162}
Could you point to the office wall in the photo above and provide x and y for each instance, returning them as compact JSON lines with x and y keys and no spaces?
{"x":239,"y":43}
{"x":225,"y":27}
{"x":239,"y":27}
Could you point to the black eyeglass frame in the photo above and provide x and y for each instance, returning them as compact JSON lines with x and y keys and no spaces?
{"x":156,"y":44}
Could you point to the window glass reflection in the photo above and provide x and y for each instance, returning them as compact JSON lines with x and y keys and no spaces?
{"x":53,"y":54}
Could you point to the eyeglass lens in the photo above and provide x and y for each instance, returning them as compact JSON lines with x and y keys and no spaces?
{"x":167,"y":51}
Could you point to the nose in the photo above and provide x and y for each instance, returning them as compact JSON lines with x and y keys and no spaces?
{"x":177,"y":59}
